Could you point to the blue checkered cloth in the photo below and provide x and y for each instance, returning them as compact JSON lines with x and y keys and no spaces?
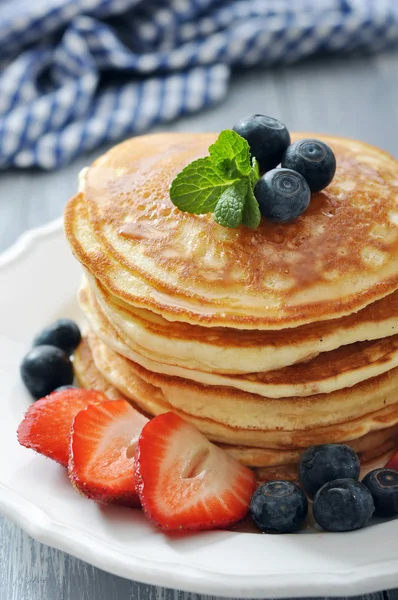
{"x":78,"y":73}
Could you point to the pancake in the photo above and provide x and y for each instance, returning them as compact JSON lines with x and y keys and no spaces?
{"x":233,"y":417}
{"x":267,"y":463}
{"x":338,"y":257}
{"x":344,"y":367}
{"x":224,"y":350}
{"x":87,"y":374}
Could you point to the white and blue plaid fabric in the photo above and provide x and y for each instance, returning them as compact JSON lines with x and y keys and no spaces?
{"x":77,"y":73}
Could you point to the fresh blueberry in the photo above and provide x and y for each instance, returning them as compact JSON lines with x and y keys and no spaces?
{"x":63,"y":334}
{"x":278,"y":506}
{"x":320,"y":464}
{"x":268,"y":139}
{"x":66,"y":387}
{"x":46,"y":368}
{"x":282,"y":195}
{"x":383,"y":485}
{"x":314,"y":160}
{"x":343,"y":505}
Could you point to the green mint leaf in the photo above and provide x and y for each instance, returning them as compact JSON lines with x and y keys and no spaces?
{"x":229,"y":208}
{"x":198,"y":187}
{"x":251,"y":216}
{"x":255,"y":172}
{"x":231,"y":153}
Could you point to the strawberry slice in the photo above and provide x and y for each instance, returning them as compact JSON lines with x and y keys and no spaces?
{"x":47,"y":423}
{"x":393,"y":462}
{"x":187,"y":483}
{"x":102,"y":447}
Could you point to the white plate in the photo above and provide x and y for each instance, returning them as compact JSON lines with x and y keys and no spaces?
{"x":38,"y":282}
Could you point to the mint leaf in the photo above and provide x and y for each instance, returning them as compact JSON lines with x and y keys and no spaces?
{"x":222,"y":183}
{"x":229,"y":208}
{"x":198,"y":187}
{"x":231,"y":153}
{"x":255,"y":172}
{"x":251,"y":216}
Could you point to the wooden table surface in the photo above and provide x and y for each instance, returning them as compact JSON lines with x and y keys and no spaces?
{"x":353,"y":96}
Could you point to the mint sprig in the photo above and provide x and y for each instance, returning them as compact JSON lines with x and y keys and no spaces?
{"x":221,"y":183}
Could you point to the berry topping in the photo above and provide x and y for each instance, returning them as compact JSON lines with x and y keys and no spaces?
{"x":320,"y":464}
{"x":186,"y":482}
{"x":47,"y":423}
{"x":102,"y":447}
{"x":282,"y":195}
{"x":268,"y":139}
{"x":279,"y":506}
{"x":63,"y":334}
{"x":343,"y":505}
{"x":383,"y":485}
{"x":314,"y":160}
{"x":44,"y":369}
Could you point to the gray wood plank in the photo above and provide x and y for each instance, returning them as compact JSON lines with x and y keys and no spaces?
{"x":349,"y":96}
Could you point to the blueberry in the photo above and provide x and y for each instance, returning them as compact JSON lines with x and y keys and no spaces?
{"x":314,"y":160}
{"x":63,"y":334}
{"x":278,"y":506}
{"x":282,"y":195}
{"x":46,"y":368}
{"x":62,"y":388}
{"x":343,"y":505}
{"x":320,"y":464}
{"x":383,"y":485}
{"x":268,"y":139}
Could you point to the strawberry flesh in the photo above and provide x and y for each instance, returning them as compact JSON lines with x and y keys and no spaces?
{"x":47,"y":423}
{"x":102,"y":445}
{"x":393,"y":462}
{"x":187,"y":483}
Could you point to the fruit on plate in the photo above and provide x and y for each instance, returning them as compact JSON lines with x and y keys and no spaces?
{"x":268,"y":139}
{"x":314,"y":160}
{"x":393,"y":462}
{"x":44,"y":368}
{"x":282,"y":195}
{"x":187,"y":483}
{"x":63,"y":333}
{"x":47,"y":423}
{"x":279,"y":506}
{"x":102,"y":448}
{"x":326,"y":462}
{"x":383,"y":485}
{"x":343,"y":505}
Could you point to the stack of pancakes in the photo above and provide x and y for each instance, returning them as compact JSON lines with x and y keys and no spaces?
{"x":268,"y":340}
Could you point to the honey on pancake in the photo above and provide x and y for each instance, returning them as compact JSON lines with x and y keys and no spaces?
{"x":139,"y":231}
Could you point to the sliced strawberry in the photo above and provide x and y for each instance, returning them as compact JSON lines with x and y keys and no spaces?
{"x":186,"y":482}
{"x":102,"y":446}
{"x":47,"y":423}
{"x":393,"y":462}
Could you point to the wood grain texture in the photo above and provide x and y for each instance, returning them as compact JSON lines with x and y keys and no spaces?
{"x":350,"y":96}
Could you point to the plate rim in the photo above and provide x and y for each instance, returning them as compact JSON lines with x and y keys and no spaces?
{"x":368,"y":578}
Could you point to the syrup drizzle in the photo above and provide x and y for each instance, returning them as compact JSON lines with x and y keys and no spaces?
{"x":139,"y":231}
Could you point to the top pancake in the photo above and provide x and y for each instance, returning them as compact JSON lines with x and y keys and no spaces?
{"x":336,"y":258}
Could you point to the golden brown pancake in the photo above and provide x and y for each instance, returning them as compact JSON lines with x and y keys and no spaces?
{"x":268,"y":340}
{"x":344,"y":367}
{"x":267,"y":463}
{"x":87,"y":374}
{"x":336,"y":258}
{"x":225,"y":350}
{"x":233,"y":417}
